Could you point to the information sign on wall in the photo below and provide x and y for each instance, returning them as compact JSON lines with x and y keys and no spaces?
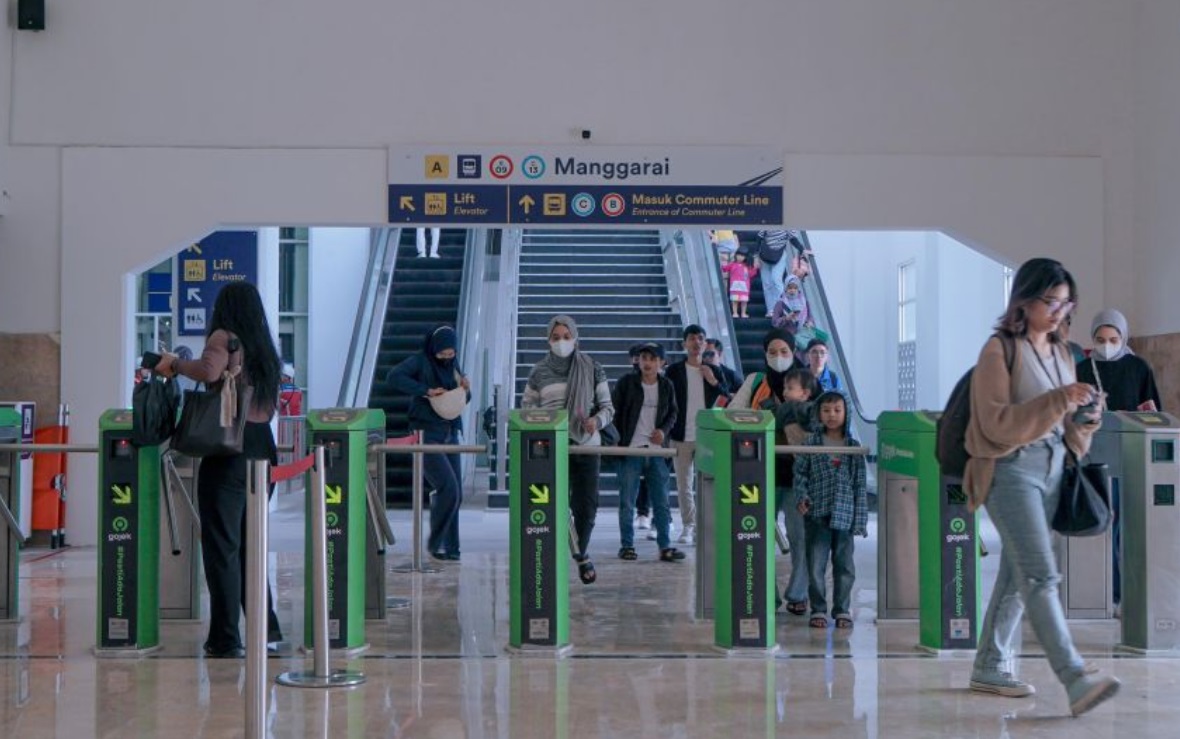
{"x":204,"y":268}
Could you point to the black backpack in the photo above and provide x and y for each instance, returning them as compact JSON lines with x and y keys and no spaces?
{"x":768,"y":253}
{"x":950,"y":444}
{"x":154,"y":404}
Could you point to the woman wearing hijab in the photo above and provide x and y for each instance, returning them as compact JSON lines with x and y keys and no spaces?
{"x":431,"y":374}
{"x":1129,"y":385}
{"x":569,"y":379}
{"x":764,"y":390}
{"x":1126,"y":379}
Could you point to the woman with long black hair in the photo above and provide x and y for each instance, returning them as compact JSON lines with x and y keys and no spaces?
{"x":238,"y":335}
{"x":1027,"y":409}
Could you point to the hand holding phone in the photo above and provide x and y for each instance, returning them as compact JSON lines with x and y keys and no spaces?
{"x":150,"y":360}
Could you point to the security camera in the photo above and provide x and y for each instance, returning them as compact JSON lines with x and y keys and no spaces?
{"x":585,"y":134}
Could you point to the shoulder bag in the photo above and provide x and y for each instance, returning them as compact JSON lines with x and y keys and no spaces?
{"x":1084,"y":506}
{"x":213,"y":420}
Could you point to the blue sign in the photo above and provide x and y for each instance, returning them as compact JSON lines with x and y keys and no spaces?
{"x":206,"y":267}
{"x":603,"y":205}
{"x":448,"y":203}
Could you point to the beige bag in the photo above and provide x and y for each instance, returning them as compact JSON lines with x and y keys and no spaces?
{"x":450,"y":404}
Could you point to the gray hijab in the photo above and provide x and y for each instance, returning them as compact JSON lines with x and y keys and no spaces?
{"x":1117,"y":321}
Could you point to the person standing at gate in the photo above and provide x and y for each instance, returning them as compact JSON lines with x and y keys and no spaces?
{"x":645,"y":411}
{"x":1024,"y":415}
{"x":439,"y":390}
{"x":239,"y":336}
{"x":697,"y":387}
{"x":568,"y":378}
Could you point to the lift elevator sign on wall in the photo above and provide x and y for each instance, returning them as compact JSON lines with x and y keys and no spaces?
{"x":586,"y":185}
{"x":204,"y":268}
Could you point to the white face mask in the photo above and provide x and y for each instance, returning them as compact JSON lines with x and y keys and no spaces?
{"x":562,"y":348}
{"x":777,"y":363}
{"x":1108,"y":350}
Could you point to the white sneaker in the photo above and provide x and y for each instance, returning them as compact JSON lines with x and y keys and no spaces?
{"x":435,"y":256}
{"x":651,"y":534}
{"x":688,"y":535}
{"x":643,"y":522}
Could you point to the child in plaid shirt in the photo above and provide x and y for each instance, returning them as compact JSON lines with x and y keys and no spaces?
{"x":833,"y":498}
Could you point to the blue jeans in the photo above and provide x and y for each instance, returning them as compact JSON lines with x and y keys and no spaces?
{"x":788,"y":502}
{"x":824,"y":543}
{"x":443,"y":475}
{"x":1021,"y":504}
{"x":655,"y":472}
{"x":772,"y":280}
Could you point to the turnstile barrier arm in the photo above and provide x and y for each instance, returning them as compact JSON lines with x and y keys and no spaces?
{"x":169,"y":513}
{"x":12,"y":522}
{"x":175,"y":483}
{"x":381,"y":525}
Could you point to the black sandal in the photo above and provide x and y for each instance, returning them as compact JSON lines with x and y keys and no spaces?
{"x":586,"y":571}
{"x":671,"y":555}
{"x":628,"y":553}
{"x":797,"y":607}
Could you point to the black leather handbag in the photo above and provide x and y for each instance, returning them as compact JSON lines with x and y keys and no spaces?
{"x":213,"y":421}
{"x":1084,"y":506}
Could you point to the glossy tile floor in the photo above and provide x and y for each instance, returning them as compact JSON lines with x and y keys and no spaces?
{"x":641,"y":666}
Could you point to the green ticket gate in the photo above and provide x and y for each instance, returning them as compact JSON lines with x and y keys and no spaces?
{"x":927,"y":539}
{"x":1142,"y":450}
{"x":539,"y":530}
{"x":10,"y":534}
{"x":735,"y":549}
{"x":344,"y":433}
{"x":128,"y":540}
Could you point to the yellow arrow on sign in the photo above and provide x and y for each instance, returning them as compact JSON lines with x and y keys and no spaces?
{"x":540,"y":494}
{"x":122,"y":494}
{"x":195,"y":248}
{"x":749,"y":493}
{"x":527,"y":203}
{"x":406,"y":202}
{"x":334,"y":494}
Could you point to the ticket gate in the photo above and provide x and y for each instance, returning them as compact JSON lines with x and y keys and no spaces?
{"x":1141,"y":450}
{"x":927,"y":539}
{"x":181,"y":584}
{"x":11,"y":537}
{"x":128,"y":540}
{"x":539,"y":530}
{"x":735,"y":525}
{"x":345,"y":435}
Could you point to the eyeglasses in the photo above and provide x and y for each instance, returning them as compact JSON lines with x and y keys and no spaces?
{"x":1056,"y":306}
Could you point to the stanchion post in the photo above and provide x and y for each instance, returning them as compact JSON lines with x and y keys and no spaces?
{"x":320,"y":677}
{"x":416,"y":487}
{"x":258,"y":482}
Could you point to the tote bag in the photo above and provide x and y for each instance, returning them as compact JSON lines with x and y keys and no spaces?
{"x":1084,"y":506}
{"x":213,"y":421}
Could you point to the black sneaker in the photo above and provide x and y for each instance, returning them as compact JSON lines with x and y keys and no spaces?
{"x":671,"y":555}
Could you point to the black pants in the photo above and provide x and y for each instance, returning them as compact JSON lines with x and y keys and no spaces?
{"x":221,"y":502}
{"x":583,"y":475}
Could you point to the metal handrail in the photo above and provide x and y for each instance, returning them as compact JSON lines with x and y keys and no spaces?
{"x":361,"y":363}
{"x":50,"y":448}
{"x":468,"y":325}
{"x":510,"y":246}
{"x":704,"y":270}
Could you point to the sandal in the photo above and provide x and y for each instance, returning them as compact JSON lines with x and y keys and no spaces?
{"x":818,"y":622}
{"x":844,"y":622}
{"x":586,"y":571}
{"x":797,"y":607}
{"x":628,"y":553}
{"x":671,"y":555}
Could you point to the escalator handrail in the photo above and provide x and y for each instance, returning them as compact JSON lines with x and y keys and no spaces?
{"x":703,"y":265}
{"x":360,"y":366}
{"x":510,"y":247}
{"x":819,"y":296}
{"x":468,"y":322}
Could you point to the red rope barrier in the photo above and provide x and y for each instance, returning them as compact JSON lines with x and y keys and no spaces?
{"x":403,"y":440}
{"x":278,"y":473}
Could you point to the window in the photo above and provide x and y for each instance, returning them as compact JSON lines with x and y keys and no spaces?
{"x":293,"y":292}
{"x":1009,"y":273}
{"x":907,"y":302}
{"x":153,"y":309}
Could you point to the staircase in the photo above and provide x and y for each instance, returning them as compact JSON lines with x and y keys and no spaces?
{"x":612,"y":283}
{"x":425,"y":293}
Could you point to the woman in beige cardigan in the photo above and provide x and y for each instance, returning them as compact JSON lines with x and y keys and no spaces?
{"x":1021,"y":423}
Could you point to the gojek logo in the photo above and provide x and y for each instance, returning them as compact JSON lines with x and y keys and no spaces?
{"x":749,"y":523}
{"x":332,"y":519}
{"x":538,"y":517}
{"x":120,"y":524}
{"x":959,"y":531}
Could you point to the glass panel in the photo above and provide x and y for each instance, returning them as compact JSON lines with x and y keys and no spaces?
{"x":293,"y":345}
{"x":293,"y":277}
{"x":145,"y":335}
{"x":909,"y":321}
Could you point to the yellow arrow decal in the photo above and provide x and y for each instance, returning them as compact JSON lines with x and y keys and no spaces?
{"x":527,"y":203}
{"x":749,"y":494}
{"x":122,"y":494}
{"x":406,"y":202}
{"x":334,"y":494}
{"x":195,"y":249}
{"x":540,"y":494}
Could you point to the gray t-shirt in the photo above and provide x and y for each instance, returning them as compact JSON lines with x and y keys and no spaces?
{"x":1038,"y":375}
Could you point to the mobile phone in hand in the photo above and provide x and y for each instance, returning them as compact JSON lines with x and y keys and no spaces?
{"x":150,"y":360}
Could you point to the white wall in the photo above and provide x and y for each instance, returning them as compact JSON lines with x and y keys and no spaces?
{"x":1006,"y":124}
{"x":960,"y":294}
{"x":337,"y":260}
